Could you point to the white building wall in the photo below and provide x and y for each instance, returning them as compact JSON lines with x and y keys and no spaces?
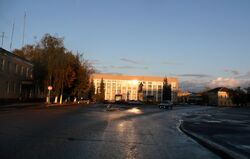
{"x":111,"y":88}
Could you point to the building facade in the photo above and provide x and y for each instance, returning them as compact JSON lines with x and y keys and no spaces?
{"x":219,"y":96}
{"x":142,"y":88}
{"x":183,"y":96}
{"x":15,"y":77}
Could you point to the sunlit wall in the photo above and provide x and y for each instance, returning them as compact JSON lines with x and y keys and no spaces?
{"x":127,"y":86}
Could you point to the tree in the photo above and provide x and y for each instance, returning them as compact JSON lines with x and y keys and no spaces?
{"x":239,"y":97}
{"x":140,"y":92}
{"x":166,"y":90}
{"x":248,"y":95}
{"x":83,"y":82}
{"x":102,"y":91}
{"x":66,"y":71}
{"x":91,"y":93}
{"x":140,"y":88}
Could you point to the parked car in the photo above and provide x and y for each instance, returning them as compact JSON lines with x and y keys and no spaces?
{"x":166,"y":105}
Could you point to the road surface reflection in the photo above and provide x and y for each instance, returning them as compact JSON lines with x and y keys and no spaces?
{"x":135,"y":110}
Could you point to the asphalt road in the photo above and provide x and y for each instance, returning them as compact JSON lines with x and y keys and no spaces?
{"x":92,"y":132}
{"x":227,"y":127}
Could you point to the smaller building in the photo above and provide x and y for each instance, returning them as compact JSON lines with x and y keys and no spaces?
{"x":16,"y":77}
{"x":219,"y":96}
{"x":183,"y":96}
{"x":195,"y":98}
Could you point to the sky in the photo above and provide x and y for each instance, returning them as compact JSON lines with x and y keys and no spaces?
{"x":204,"y":43}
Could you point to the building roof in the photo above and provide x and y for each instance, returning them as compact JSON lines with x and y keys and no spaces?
{"x":127,"y":77}
{"x":215,"y":90}
{"x":3,"y":51}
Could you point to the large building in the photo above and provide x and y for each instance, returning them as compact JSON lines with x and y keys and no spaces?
{"x":123,"y":87}
{"x":15,"y":77}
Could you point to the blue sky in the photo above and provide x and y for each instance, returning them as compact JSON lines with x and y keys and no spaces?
{"x":202,"y":42}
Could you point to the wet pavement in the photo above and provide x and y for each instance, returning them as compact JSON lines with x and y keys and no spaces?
{"x":227,"y":128}
{"x":95,"y":132}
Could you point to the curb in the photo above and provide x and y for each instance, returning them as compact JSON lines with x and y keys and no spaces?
{"x":214,"y":147}
{"x":64,"y":104}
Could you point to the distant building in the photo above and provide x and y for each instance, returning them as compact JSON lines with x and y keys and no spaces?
{"x":219,"y":96}
{"x":183,"y":96}
{"x":123,"y":87}
{"x":195,"y":98}
{"x":16,"y":79}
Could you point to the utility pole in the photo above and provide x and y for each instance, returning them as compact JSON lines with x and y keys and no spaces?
{"x":2,"y":38}
{"x":12,"y":35}
{"x":24,"y":22}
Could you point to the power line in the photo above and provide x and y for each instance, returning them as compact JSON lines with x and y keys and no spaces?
{"x":12,"y":35}
{"x":24,"y":22}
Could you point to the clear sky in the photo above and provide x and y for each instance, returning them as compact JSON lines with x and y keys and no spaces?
{"x":202,"y":42}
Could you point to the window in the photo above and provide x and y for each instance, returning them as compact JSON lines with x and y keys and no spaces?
{"x":154,"y":87}
{"x":8,"y":87}
{"x":118,"y":85}
{"x":108,"y":90}
{"x":14,"y":87}
{"x":16,"y":66}
{"x":27,"y":72}
{"x":118,"y":91}
{"x":21,"y":70}
{"x":123,"y":89}
{"x":8,"y":66}
{"x":20,"y":88}
{"x":108,"y":85}
{"x":2,"y":61}
{"x":149,"y":87}
{"x":159,"y":87}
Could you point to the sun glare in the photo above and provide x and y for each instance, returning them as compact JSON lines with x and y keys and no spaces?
{"x":133,"y":82}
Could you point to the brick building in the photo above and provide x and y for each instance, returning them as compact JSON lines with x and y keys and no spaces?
{"x":16,"y":79}
{"x":219,"y":96}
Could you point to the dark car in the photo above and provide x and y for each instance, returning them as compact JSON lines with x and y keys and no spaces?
{"x":166,"y":105}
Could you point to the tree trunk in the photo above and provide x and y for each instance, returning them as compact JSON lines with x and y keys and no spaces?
{"x":61,"y":98}
{"x":56,"y":99}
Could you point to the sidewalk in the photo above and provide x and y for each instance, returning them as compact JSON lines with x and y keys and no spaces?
{"x":21,"y":105}
{"x":225,"y":133}
{"x":37,"y":105}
